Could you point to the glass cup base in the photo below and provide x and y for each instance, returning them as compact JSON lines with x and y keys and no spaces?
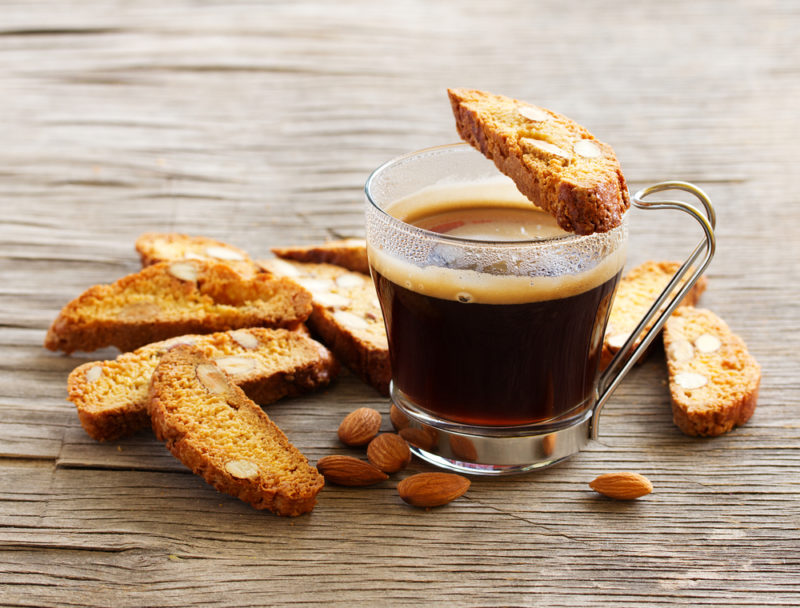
{"x":490,"y":450}
{"x":472,"y":468}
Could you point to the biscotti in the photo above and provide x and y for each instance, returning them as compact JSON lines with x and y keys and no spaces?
{"x":268,"y":364}
{"x":210,"y":425}
{"x":713,"y":380}
{"x":155,"y":247}
{"x":636,"y":293}
{"x":554,"y":161}
{"x":174,"y":298}
{"x":346,"y":317}
{"x":347,"y":253}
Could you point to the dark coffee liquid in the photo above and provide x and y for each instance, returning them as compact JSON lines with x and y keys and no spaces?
{"x":495,"y":364}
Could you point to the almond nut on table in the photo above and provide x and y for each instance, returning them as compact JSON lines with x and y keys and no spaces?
{"x":432,"y":489}
{"x":622,"y":486}
{"x":389,"y":452}
{"x":349,"y":471}
{"x":360,"y":426}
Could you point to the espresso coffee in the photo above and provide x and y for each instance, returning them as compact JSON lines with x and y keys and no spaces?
{"x":487,"y":343}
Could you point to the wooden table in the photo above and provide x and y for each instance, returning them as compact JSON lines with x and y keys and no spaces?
{"x":258,"y":123}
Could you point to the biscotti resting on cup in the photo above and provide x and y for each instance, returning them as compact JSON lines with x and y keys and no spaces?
{"x":174,"y":298}
{"x":347,"y":316}
{"x":347,"y":253}
{"x":554,"y":161}
{"x":636,"y":293}
{"x":210,"y":425}
{"x":155,"y":247}
{"x":268,"y":364}
{"x":713,"y":380}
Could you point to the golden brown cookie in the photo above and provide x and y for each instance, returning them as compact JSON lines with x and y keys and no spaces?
{"x":347,"y":253}
{"x":175,"y":298}
{"x":155,"y":247}
{"x":346,"y":317}
{"x":210,"y":425}
{"x":268,"y":364}
{"x":636,"y":293}
{"x":554,"y":161}
{"x":713,"y":380}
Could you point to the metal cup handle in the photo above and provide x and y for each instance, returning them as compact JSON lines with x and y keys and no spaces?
{"x":627,"y":356}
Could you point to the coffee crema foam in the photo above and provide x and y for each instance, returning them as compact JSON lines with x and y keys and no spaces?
{"x":529,"y":258}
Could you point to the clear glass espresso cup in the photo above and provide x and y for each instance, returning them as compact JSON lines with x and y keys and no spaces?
{"x":495,"y":339}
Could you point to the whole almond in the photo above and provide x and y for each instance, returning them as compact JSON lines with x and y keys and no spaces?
{"x":622,"y":486}
{"x":349,"y":471}
{"x":424,"y":438}
{"x":463,"y":447}
{"x":389,"y":452}
{"x":360,"y":426}
{"x":212,"y":378}
{"x":398,"y":418}
{"x":432,"y":489}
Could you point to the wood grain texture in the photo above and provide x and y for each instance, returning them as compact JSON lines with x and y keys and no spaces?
{"x":257,"y":124}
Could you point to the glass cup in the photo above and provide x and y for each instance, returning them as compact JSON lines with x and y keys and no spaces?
{"x":495,"y":341}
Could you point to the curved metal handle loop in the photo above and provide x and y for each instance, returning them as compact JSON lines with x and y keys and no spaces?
{"x":627,"y":356}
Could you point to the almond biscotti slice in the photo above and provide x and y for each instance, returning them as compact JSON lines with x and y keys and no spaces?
{"x":347,"y":253}
{"x":713,"y":380}
{"x":268,"y":364}
{"x":346,"y":317}
{"x":175,"y":298}
{"x":636,"y":292}
{"x":210,"y":425}
{"x":554,"y":161}
{"x":155,"y":247}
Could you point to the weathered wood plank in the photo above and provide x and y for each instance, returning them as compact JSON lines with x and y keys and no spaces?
{"x":144,"y":527}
